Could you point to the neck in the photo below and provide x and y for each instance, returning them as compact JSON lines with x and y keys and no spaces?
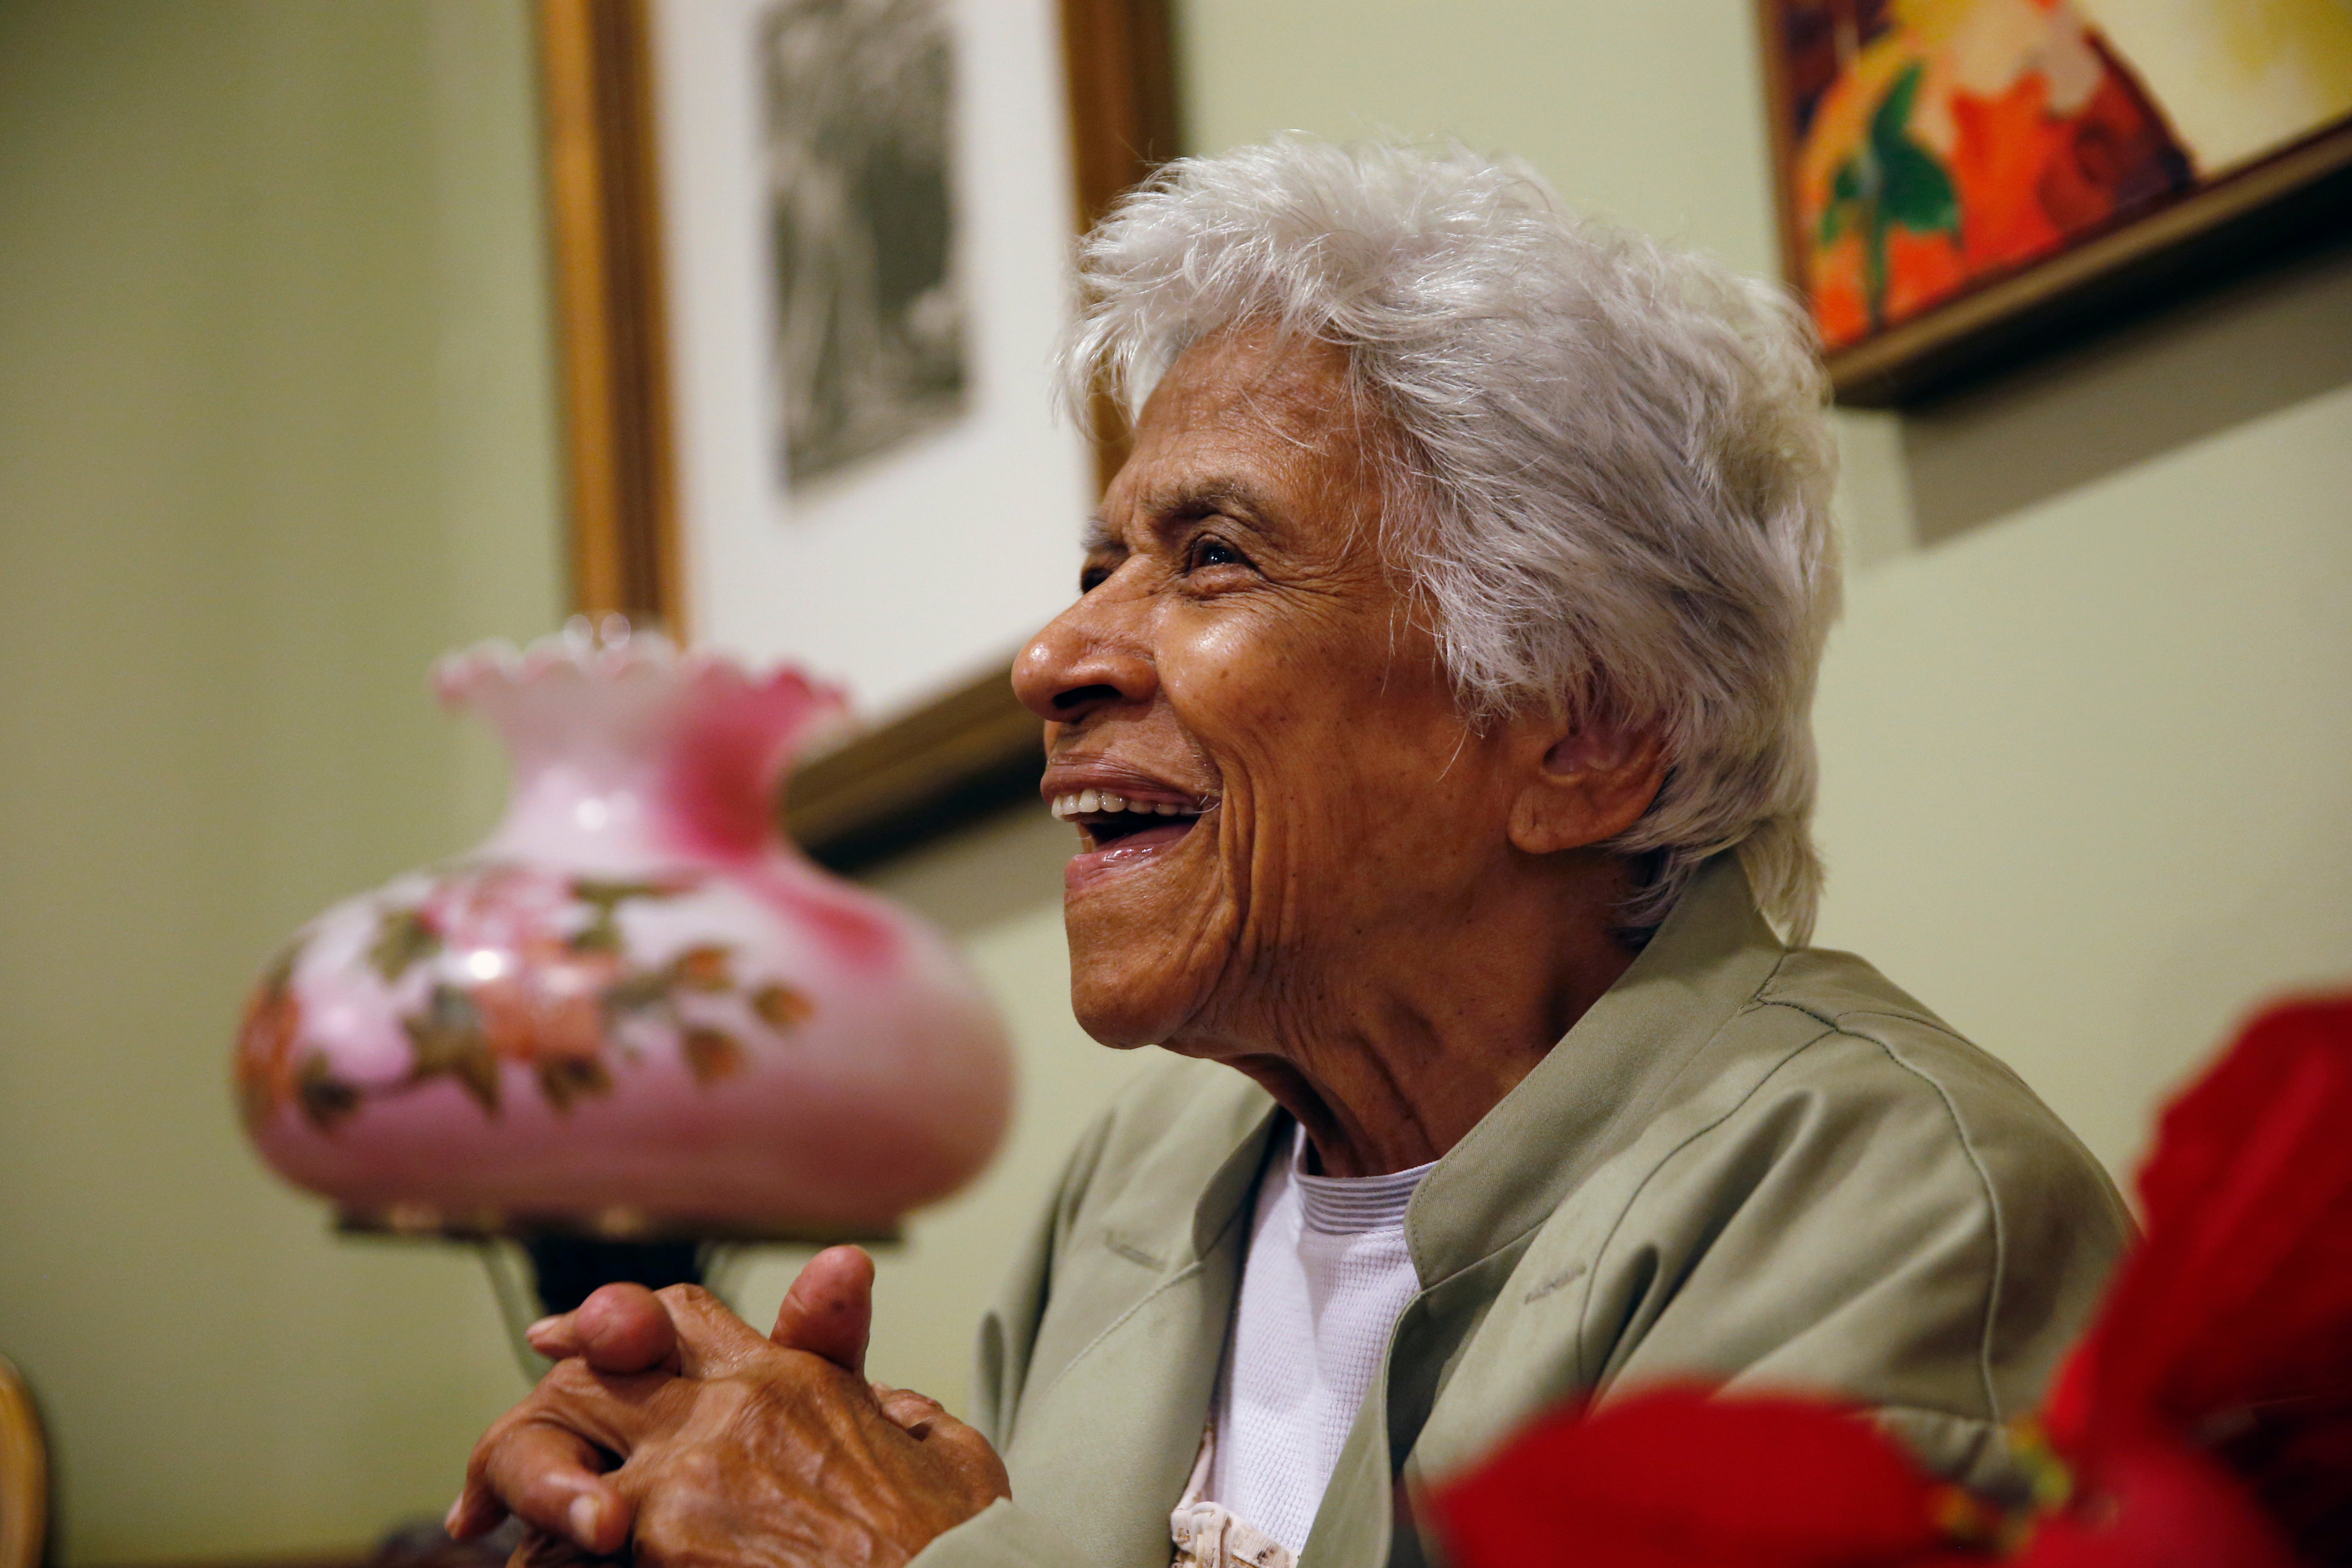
{"x":1389,"y":1053}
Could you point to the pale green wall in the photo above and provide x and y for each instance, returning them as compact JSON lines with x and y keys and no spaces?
{"x":275,"y":427}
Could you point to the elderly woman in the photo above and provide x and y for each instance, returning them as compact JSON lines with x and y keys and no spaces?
{"x":1433,"y":720}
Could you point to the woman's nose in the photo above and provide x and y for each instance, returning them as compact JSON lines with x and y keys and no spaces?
{"x":1082,"y":663}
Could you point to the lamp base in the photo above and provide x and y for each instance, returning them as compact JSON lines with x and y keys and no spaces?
{"x":570,"y":1258}
{"x":567,"y":1270}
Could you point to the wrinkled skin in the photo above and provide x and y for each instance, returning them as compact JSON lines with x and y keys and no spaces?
{"x":732,"y":1449}
{"x":1382,"y":913}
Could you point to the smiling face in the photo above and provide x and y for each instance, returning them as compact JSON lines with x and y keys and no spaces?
{"x":1247,"y":719}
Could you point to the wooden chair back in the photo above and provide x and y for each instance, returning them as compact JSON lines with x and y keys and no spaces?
{"x":24,"y":1474}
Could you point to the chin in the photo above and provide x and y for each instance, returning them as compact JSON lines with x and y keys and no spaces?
{"x":1133,"y":982}
{"x":1120,"y":1010}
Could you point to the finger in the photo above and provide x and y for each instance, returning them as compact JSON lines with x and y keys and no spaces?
{"x":829,"y":1310}
{"x":551,"y":1479}
{"x":620,"y":1328}
{"x":553,"y":1337}
{"x":711,"y":1341}
{"x":575,"y":1417}
{"x":477,"y":1511}
{"x":918,"y":1413}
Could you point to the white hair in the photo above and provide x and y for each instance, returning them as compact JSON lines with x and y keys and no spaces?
{"x":1616,"y":451}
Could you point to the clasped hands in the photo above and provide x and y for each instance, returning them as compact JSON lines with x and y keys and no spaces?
{"x":669,"y":1428}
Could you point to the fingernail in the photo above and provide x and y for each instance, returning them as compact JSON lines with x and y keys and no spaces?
{"x":543,"y":1325}
{"x":449,"y":1519}
{"x":584,"y":1516}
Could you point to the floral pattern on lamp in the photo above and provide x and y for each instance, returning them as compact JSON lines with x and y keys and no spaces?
{"x":635,"y":1009}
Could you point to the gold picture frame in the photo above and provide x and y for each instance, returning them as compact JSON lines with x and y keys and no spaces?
{"x":969,"y":749}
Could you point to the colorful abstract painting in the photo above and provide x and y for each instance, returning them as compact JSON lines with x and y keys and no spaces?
{"x":1931,"y":146}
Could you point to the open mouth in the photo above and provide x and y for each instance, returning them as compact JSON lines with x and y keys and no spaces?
{"x":1108,"y":822}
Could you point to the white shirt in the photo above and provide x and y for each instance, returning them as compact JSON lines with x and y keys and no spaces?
{"x":1327,"y":1276}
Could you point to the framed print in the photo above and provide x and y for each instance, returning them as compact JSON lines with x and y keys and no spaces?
{"x":812,"y":259}
{"x":1961,"y":181}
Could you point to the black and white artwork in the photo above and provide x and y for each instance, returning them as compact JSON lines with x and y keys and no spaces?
{"x":867,"y":213}
{"x":868,"y":312}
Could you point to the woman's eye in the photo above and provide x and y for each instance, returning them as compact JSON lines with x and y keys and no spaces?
{"x":1206,"y":552}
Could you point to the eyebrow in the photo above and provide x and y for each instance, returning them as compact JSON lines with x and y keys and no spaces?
{"x":1185,"y":501}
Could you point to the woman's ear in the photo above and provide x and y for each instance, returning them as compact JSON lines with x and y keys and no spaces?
{"x":1583,"y":786}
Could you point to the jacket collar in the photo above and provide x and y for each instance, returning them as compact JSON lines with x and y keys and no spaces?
{"x":1601,"y":1083}
{"x":1590,"y":1095}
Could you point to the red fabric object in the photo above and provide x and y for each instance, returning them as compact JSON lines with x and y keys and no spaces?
{"x":1672,"y":1479}
{"x":2230,"y":1331}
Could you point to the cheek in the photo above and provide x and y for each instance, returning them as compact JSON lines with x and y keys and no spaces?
{"x":1349,"y":801}
{"x":1305,"y":715}
{"x":1262,"y":695}
{"x":1222,"y":679}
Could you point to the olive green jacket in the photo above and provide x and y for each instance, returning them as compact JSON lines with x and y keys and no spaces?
{"x":1749,"y":1164}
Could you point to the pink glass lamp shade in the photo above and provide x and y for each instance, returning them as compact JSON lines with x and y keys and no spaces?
{"x":635,"y":1009}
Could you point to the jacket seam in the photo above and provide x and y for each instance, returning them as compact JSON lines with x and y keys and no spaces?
{"x":1999,"y":1281}
{"x":1999,"y":1284}
{"x":1838,"y":1020}
{"x":1831,"y":1028}
{"x":1067,"y":1242}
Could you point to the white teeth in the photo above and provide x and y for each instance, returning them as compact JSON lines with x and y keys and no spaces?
{"x":1065,"y":806}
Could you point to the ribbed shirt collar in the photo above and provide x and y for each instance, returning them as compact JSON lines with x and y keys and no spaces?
{"x":1351,"y":1205}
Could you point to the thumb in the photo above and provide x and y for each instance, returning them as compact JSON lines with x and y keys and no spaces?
{"x":829,"y":1310}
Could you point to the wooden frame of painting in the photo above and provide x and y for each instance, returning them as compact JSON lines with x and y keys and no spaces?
{"x":961,"y":744}
{"x":1966,"y":184}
